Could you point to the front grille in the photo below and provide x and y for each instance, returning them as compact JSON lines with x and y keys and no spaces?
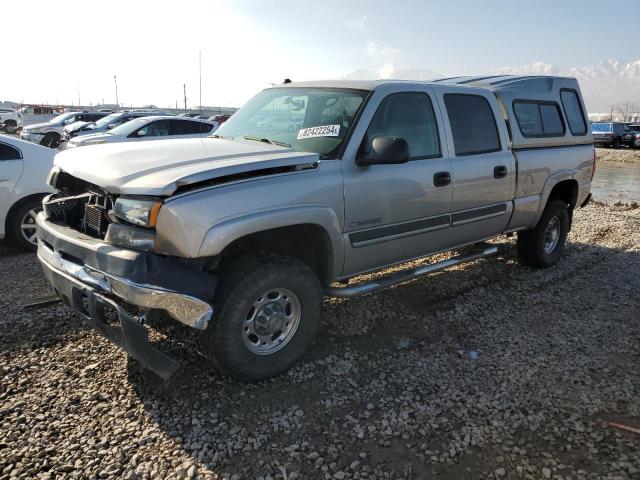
{"x":87,"y":211}
{"x":95,"y":220}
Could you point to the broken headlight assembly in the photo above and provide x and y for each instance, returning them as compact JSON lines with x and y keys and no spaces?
{"x":142,"y":212}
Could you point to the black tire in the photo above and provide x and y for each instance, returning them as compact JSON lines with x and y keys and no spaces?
{"x":10,"y":126}
{"x":535,"y":247}
{"x":242,"y":284}
{"x":51,"y":140}
{"x":24,"y":214}
{"x":616,"y":143}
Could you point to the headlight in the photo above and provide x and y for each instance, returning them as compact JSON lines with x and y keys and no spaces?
{"x":139,"y":211}
{"x":97,"y":142}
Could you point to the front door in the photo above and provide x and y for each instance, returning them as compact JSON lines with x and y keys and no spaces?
{"x":397,"y":212}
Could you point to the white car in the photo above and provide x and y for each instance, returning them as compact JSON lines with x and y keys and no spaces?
{"x":10,"y":120}
{"x":48,"y":134}
{"x":147,"y":128}
{"x":23,"y":183}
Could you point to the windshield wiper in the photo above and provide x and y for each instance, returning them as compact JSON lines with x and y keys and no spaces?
{"x":266,"y":140}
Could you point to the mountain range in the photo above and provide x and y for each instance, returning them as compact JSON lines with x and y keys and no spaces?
{"x":603,"y":85}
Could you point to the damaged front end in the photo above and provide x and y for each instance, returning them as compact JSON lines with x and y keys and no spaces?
{"x":111,"y":287}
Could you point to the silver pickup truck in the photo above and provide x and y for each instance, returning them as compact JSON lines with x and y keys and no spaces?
{"x":240,"y":234}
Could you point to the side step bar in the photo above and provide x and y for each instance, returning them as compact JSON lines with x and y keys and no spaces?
{"x":401,"y":277}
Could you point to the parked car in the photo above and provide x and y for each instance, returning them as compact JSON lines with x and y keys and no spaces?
{"x":49,"y":134}
{"x":24,"y":167}
{"x":10,"y":120}
{"x":146,"y":128}
{"x":611,"y":134}
{"x":635,"y":130}
{"x":104,"y":124}
{"x":240,"y":234}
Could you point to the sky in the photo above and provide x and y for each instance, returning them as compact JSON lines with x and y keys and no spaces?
{"x":62,"y":52}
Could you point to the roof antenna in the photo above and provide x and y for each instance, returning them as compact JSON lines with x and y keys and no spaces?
{"x":287,"y":80}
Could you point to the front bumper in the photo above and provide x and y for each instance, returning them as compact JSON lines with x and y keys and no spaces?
{"x":91,"y":277}
{"x":32,"y":137}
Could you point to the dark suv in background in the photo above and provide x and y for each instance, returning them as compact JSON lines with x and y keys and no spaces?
{"x":635,"y":130}
{"x":612,"y":134}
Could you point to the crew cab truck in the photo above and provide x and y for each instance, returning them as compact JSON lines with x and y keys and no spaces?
{"x":240,"y":234}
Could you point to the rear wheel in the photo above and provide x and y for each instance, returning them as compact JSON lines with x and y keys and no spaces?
{"x":543,"y":246}
{"x":10,"y":126}
{"x":268,"y":311}
{"x":22,"y":224}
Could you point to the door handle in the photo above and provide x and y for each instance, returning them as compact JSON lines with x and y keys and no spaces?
{"x":500,"y":171}
{"x":441,"y":179}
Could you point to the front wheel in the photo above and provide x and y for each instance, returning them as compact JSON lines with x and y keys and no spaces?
{"x":543,"y":246}
{"x":268,"y":311}
{"x":51,"y":140}
{"x":22,"y":224}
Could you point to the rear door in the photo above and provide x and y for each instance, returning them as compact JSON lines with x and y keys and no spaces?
{"x":483,"y":167}
{"x":397,"y":212}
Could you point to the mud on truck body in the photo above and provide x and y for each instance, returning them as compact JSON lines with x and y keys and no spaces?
{"x":240,"y":234}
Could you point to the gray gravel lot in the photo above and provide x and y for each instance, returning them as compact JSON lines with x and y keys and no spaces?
{"x":491,"y":370}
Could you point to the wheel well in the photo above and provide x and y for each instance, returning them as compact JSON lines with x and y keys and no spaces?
{"x":308,"y":243}
{"x":18,"y":204}
{"x":567,"y":191}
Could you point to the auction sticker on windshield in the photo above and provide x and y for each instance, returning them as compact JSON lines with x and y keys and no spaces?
{"x":321,"y":131}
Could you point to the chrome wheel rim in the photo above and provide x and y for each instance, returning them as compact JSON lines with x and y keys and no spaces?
{"x":272,"y":321}
{"x":552,"y":235}
{"x":28,"y":226}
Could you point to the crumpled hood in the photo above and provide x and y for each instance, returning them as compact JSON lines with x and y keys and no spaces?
{"x":75,"y":126}
{"x":159,"y":167}
{"x":91,"y":137}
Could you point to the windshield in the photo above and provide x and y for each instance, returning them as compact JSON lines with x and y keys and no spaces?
{"x":129,"y":127}
{"x":309,"y":119}
{"x":104,"y":121}
{"x":62,"y":117}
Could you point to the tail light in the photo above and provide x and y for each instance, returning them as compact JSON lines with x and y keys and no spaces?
{"x":595,"y":158}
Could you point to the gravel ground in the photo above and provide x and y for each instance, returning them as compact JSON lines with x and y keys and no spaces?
{"x":625,"y":155}
{"x":491,"y":370}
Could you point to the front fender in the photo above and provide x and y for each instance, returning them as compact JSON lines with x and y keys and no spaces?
{"x":223,"y":234}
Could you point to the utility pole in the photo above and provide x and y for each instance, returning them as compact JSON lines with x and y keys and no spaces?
{"x":184,"y":89}
{"x":200,"y":70}
{"x":115,"y":81}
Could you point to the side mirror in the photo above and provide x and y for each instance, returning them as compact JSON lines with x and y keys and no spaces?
{"x":142,"y":133}
{"x":110,"y":126}
{"x":384,"y":151}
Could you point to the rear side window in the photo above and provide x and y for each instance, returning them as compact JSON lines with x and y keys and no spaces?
{"x":538,"y":119}
{"x":573,"y":112}
{"x":410,"y":116}
{"x":7,"y":152}
{"x":473,"y":125}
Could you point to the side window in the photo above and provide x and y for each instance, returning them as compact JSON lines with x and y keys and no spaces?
{"x":538,"y":119}
{"x":409,"y":116}
{"x":7,"y":152}
{"x":206,"y":127}
{"x":184,"y":127}
{"x":158,"y":128}
{"x":473,"y":125}
{"x":573,"y":112}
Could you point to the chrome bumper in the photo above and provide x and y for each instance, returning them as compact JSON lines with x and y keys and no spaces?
{"x":187,"y":309}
